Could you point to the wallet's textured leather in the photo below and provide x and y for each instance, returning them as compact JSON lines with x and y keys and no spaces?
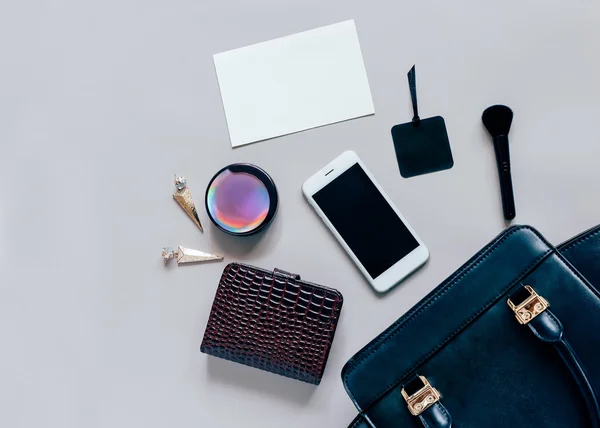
{"x":272,"y":321}
{"x":490,"y":371}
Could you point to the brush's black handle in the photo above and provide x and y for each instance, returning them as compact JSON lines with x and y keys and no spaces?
{"x":506,"y":188}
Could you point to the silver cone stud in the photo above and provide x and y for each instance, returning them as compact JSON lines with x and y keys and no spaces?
{"x":183,"y":196}
{"x":188,"y":255}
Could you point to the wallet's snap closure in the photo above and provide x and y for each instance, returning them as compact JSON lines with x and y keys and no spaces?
{"x":282,"y":272}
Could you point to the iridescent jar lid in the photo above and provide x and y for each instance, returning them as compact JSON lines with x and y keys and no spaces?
{"x":241,"y":199}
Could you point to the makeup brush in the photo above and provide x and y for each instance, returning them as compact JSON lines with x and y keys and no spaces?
{"x":497,"y":119}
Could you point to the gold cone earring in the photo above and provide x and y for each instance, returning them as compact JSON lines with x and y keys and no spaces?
{"x":187,"y":255}
{"x":183,"y":197}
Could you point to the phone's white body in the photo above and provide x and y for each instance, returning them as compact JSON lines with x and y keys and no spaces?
{"x":396,"y":272}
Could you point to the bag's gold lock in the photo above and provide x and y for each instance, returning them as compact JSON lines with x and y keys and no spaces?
{"x":530,"y":307}
{"x":422,"y":399}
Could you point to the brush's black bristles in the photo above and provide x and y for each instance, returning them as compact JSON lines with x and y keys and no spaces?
{"x":497,"y":119}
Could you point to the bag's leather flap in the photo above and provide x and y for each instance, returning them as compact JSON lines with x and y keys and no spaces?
{"x":416,"y":337}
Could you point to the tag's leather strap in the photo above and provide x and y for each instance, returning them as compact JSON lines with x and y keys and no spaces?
{"x":547,"y":328}
{"x":412,"y":85}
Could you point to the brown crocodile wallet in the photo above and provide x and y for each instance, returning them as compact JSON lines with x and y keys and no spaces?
{"x":272,"y":321}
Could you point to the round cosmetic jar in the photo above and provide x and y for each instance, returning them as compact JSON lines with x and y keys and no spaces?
{"x":241,"y":199}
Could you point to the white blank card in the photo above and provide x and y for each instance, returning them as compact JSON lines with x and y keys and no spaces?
{"x":293,"y":83}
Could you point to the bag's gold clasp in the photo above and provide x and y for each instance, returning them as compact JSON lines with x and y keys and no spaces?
{"x":422,"y":399}
{"x":530,"y":307}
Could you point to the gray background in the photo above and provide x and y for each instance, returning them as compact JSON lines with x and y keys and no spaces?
{"x":101,"y":102}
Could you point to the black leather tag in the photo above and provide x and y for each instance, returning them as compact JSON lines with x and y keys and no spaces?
{"x":423,"y":147}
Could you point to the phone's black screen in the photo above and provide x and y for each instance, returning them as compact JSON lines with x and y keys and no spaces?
{"x":365,"y":220}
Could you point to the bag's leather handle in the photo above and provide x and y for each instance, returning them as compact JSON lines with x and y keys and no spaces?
{"x":547,"y":328}
{"x":436,"y":416}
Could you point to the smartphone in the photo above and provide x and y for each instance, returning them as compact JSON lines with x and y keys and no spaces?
{"x":364,"y":220}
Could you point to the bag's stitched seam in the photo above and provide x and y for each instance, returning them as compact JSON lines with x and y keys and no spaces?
{"x":406,"y":319}
{"x":443,"y":410}
{"x":435,"y":297}
{"x":425,"y":424}
{"x":580,"y":240}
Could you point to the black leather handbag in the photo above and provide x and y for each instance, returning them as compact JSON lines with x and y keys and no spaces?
{"x":511,"y":339}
